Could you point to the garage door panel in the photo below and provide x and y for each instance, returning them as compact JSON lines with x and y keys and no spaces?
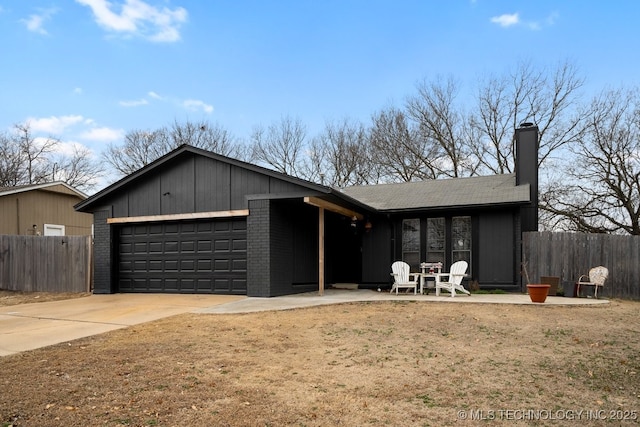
{"x":171,"y":247}
{"x":170,"y":228}
{"x":221,"y":266}
{"x":239,"y":245}
{"x":204,"y":246}
{"x":238,"y":285}
{"x":187,"y":266}
{"x":239,"y":265}
{"x":156,"y":247}
{"x":187,"y":247}
{"x":189,"y":257}
{"x":204,"y":266}
{"x":221,"y":245}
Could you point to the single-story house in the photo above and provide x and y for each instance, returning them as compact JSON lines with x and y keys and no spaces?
{"x":197,"y":222}
{"x":43,"y":210}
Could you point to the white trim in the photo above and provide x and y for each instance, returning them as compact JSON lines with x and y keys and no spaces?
{"x":25,"y":188}
{"x":177,"y":217}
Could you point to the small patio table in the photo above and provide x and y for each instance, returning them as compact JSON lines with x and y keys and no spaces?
{"x":430,"y":270}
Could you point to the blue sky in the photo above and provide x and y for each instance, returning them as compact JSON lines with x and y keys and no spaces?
{"x":88,"y":71}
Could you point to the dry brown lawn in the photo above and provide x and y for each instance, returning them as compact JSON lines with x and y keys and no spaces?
{"x":384,"y":363}
{"x":17,"y":297}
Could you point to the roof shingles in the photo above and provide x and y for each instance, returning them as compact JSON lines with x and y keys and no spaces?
{"x":442,"y":193}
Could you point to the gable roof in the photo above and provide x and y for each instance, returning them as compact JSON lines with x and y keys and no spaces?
{"x":56,"y":187}
{"x":330,"y":193}
{"x":442,"y":193}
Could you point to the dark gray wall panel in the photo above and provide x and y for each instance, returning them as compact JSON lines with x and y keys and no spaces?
{"x":144,"y":199}
{"x":244,"y":182}
{"x":496,"y":252}
{"x":212,"y":192}
{"x":177,"y":193}
{"x":279,"y":186}
{"x":376,"y":252}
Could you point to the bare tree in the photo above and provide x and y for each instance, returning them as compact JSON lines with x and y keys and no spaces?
{"x":281,"y":145}
{"x":603,"y":192}
{"x":205,"y":135}
{"x":79,"y":170}
{"x":12,"y":171}
{"x":142,"y":147}
{"x":340,"y":156}
{"x":27,"y":159}
{"x":35,"y":154}
{"x":548,"y":99}
{"x":441,"y":128}
{"x":397,"y":149}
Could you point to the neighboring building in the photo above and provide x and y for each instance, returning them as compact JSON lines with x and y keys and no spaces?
{"x":43,"y":210}
{"x":197,"y":222}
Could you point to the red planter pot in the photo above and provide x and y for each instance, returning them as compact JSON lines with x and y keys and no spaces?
{"x":538,"y":292}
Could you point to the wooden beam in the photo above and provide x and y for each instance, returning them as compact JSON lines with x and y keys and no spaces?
{"x":177,"y":217}
{"x":321,"y":251}
{"x":320,"y":203}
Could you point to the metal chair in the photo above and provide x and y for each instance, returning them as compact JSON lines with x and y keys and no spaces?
{"x":596,"y":278}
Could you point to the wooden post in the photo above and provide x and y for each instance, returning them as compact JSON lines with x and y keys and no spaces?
{"x":320,"y":251}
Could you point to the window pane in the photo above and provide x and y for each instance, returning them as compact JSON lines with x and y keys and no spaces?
{"x":435,"y":240}
{"x":461,"y":239}
{"x":411,"y":242}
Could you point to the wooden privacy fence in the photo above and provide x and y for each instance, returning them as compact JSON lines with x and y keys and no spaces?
{"x":569,"y":255}
{"x":45,"y":263}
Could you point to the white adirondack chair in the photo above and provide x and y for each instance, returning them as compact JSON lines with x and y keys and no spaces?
{"x":453,"y":282}
{"x":596,"y":278}
{"x":402,"y":278}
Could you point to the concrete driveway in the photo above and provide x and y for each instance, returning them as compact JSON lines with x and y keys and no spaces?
{"x":29,"y":326}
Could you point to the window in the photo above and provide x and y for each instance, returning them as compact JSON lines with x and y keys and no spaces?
{"x":436,"y":240}
{"x":411,"y":242}
{"x":54,"y":230}
{"x":461,"y":239}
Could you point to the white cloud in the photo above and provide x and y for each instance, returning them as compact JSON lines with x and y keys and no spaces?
{"x":77,"y":91}
{"x":103,"y":134}
{"x":506,"y":20}
{"x":534,"y":25}
{"x":35,"y":22}
{"x":54,"y":125}
{"x":194,"y":105}
{"x":70,"y":148}
{"x":139,"y":18}
{"x":552,"y":18}
{"x":189,"y":104}
{"x":134,"y":103}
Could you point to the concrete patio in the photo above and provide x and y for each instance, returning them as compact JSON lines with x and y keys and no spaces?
{"x":336,"y":296}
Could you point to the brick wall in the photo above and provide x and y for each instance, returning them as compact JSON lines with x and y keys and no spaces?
{"x":258,"y":249}
{"x":102,"y":251}
{"x":274,"y":255}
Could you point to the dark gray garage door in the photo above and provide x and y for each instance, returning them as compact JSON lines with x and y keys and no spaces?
{"x":184,"y":257}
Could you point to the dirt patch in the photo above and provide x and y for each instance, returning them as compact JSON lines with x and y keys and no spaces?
{"x":382,"y":363}
{"x":17,"y":297}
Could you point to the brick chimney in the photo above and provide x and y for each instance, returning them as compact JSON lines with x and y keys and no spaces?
{"x":527,"y":172}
